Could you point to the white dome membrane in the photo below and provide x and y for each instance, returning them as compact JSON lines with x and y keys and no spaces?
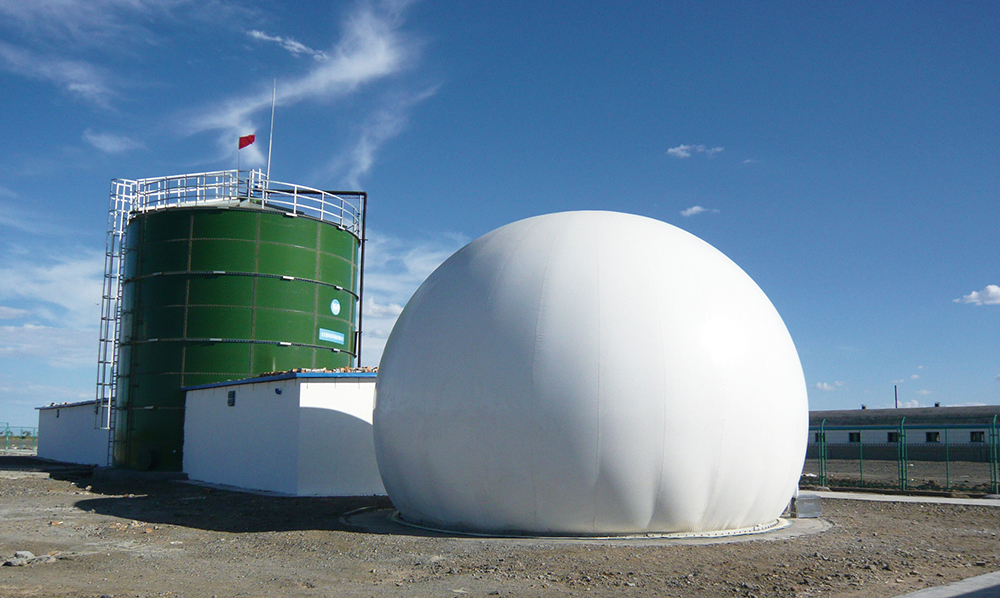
{"x":590,"y":373}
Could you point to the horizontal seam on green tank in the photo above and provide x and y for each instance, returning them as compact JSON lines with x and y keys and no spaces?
{"x":233,"y":306}
{"x":234,"y":340}
{"x":231,"y":239}
{"x":287,"y":376}
{"x":298,"y":214}
{"x":228,"y":273}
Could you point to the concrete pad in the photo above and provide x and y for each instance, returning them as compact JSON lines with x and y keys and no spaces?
{"x":981,"y":586}
{"x":940,"y":500}
{"x":387,"y":522}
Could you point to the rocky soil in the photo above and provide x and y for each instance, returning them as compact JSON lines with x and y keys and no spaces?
{"x":148,"y":539}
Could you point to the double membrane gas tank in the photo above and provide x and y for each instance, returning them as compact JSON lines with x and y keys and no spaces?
{"x":225,"y":289}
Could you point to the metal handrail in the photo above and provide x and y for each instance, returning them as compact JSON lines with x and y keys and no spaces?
{"x":242,"y":188}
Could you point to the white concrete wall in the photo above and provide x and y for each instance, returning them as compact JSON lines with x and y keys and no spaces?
{"x":68,"y":434}
{"x":913,"y":436}
{"x":336,"y":444}
{"x":313,"y":439}
{"x":253,"y":444}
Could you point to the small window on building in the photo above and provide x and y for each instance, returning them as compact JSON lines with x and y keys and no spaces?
{"x":854,"y":436}
{"x":977,"y":436}
{"x":893,"y":437}
{"x":934,"y":437}
{"x":816,"y":437}
{"x":231,"y":398}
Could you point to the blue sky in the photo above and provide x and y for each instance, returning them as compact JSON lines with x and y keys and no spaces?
{"x":845,"y":155}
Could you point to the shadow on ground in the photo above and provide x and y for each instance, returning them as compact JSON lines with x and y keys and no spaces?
{"x":183,"y":504}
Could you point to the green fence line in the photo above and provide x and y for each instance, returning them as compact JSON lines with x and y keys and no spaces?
{"x":20,"y":436}
{"x":898,"y":436}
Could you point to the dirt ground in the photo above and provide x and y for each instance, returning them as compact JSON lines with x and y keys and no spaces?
{"x":147,"y":539}
{"x":928,"y":475}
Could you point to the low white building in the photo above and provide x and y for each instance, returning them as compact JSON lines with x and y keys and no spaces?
{"x":299,"y":433}
{"x":68,"y":432}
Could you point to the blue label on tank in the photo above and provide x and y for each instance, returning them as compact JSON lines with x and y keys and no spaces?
{"x":331,"y":336}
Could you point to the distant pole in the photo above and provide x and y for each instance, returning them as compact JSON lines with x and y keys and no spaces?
{"x":895,"y":391}
{"x":270,"y":136}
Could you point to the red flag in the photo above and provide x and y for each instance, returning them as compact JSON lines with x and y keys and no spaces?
{"x":247,"y":140}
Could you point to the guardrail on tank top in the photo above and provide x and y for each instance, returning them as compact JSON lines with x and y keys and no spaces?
{"x":245,"y":188}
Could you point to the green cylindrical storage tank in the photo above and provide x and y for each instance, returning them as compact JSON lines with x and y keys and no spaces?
{"x":221,"y":292}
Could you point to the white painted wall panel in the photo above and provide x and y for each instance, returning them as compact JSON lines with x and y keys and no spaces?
{"x":336,"y":446}
{"x":314,"y":439}
{"x":68,"y":434}
{"x":253,"y":444}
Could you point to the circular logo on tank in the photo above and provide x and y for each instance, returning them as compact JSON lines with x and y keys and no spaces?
{"x":335,"y":307}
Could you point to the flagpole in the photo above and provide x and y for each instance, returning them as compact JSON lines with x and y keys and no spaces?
{"x":270,"y":136}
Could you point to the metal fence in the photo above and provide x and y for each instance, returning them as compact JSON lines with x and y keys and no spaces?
{"x":917,"y":457}
{"x":19,"y":438}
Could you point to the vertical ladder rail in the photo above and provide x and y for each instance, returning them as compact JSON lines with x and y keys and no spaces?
{"x":119,"y":207}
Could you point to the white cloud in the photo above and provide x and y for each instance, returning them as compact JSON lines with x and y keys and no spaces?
{"x":287,"y":43}
{"x":18,"y":398}
{"x":14,"y":217}
{"x":681,"y":151}
{"x":988,"y":296}
{"x":53,"y":324}
{"x":371,"y":48}
{"x":925,"y":392}
{"x":65,"y":291}
{"x":693,"y":210}
{"x":915,"y":377}
{"x":382,"y":126}
{"x":76,"y":76}
{"x":12,"y":313}
{"x":825,"y":386}
{"x":27,"y":220}
{"x":378,"y":310}
{"x":58,"y":347}
{"x":43,"y":394}
{"x":394,"y":268}
{"x":685,"y":151}
{"x":111,"y":23}
{"x":110,"y":143}
{"x":57,"y":32}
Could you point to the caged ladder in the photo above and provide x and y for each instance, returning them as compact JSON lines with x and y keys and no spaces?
{"x":119,"y":208}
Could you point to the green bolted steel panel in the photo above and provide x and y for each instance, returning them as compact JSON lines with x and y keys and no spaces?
{"x":215,"y":294}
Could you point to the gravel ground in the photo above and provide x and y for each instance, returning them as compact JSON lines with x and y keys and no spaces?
{"x":173,"y":539}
